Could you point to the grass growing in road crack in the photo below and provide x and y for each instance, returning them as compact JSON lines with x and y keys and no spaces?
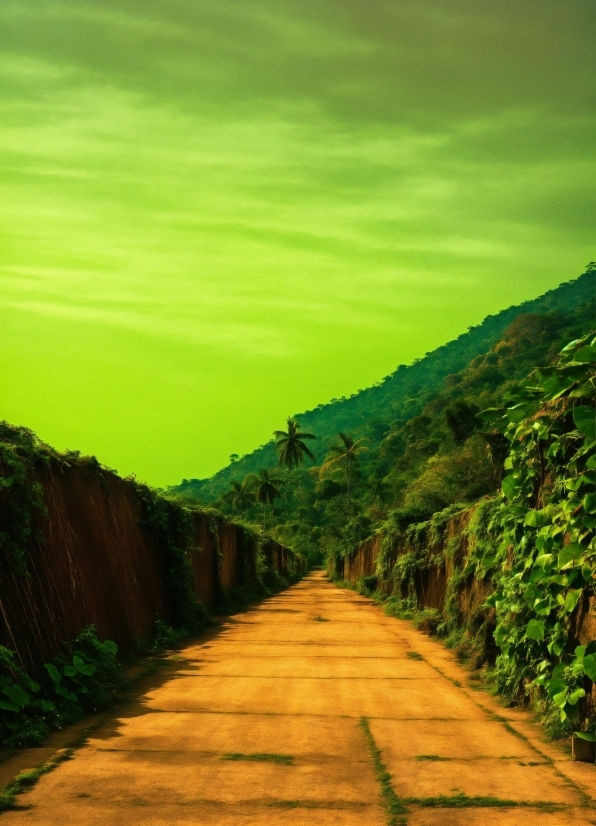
{"x":25,"y":780}
{"x":396,"y":811}
{"x":414,"y":655}
{"x":431,"y":757}
{"x":462,"y":801}
{"x":283,"y":759}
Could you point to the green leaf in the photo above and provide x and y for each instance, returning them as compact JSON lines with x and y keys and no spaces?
{"x":585,"y":420}
{"x":569,"y":555}
{"x":544,"y":559}
{"x":585,"y":355}
{"x":575,"y":696}
{"x":53,"y":672}
{"x":534,"y":519}
{"x":580,"y":651}
{"x":510,"y":486}
{"x":6,"y":706}
{"x":590,"y":667}
{"x":543,"y":606}
{"x":574,"y":484}
{"x":501,"y":634}
{"x":591,"y":463}
{"x":16,"y":695}
{"x":535,"y":630}
{"x":70,"y":671}
{"x":556,"y":647}
{"x":571,"y":599}
{"x":560,"y":699}
{"x":585,"y":735}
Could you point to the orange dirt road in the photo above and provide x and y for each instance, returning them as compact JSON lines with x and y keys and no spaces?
{"x":287,"y":684}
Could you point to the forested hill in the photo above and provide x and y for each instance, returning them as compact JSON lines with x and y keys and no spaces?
{"x":402,"y":394}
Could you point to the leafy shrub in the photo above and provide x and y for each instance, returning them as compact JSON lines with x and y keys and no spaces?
{"x":20,"y":498}
{"x":82,"y":679}
{"x":428,"y":620}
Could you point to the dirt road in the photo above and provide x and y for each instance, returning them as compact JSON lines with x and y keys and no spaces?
{"x":293,"y":714}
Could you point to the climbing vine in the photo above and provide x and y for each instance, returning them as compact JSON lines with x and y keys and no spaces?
{"x":20,"y":496}
{"x":544,"y":566}
{"x":172,"y":525}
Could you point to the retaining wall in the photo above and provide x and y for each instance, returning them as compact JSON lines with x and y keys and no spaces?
{"x":430,"y":585}
{"x":95,"y":563}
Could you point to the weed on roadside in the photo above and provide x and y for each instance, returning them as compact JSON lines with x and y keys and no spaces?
{"x":25,"y":780}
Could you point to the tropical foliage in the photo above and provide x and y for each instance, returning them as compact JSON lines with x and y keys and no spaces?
{"x":267,"y":488}
{"x":346,"y":453}
{"x":545,"y":562}
{"x":407,"y":468}
{"x":404,"y":393}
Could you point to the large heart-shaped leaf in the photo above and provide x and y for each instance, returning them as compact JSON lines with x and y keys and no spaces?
{"x":510,"y":486}
{"x":535,"y":630}
{"x":584,"y":419}
{"x":569,"y":555}
{"x":16,"y":695}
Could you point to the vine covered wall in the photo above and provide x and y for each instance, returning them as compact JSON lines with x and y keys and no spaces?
{"x":511,"y":581}
{"x":80,"y":546}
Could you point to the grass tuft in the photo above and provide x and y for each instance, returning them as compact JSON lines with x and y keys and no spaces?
{"x":25,"y":780}
{"x":431,"y":757}
{"x":282,"y":759}
{"x":414,"y":655}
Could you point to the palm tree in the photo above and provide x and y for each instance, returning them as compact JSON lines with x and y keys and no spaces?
{"x":347,"y":453}
{"x":292,"y":450}
{"x":266,"y":486}
{"x":240,"y":496}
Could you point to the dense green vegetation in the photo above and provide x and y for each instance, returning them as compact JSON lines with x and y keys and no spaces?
{"x":399,"y":396}
{"x":544,"y":558}
{"x":529,"y":552}
{"x":418,"y":455}
{"x":83,"y":678}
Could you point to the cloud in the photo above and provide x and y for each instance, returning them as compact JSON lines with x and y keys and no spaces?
{"x":274,"y":180}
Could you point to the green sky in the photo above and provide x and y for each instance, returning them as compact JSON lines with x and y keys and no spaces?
{"x":218,"y":212}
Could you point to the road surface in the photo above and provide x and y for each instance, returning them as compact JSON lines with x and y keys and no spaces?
{"x":295,"y":712}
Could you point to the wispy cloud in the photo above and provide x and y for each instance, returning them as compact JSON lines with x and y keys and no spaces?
{"x":330,"y":187}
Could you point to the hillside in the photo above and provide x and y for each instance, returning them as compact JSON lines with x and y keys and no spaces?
{"x":402,"y":394}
